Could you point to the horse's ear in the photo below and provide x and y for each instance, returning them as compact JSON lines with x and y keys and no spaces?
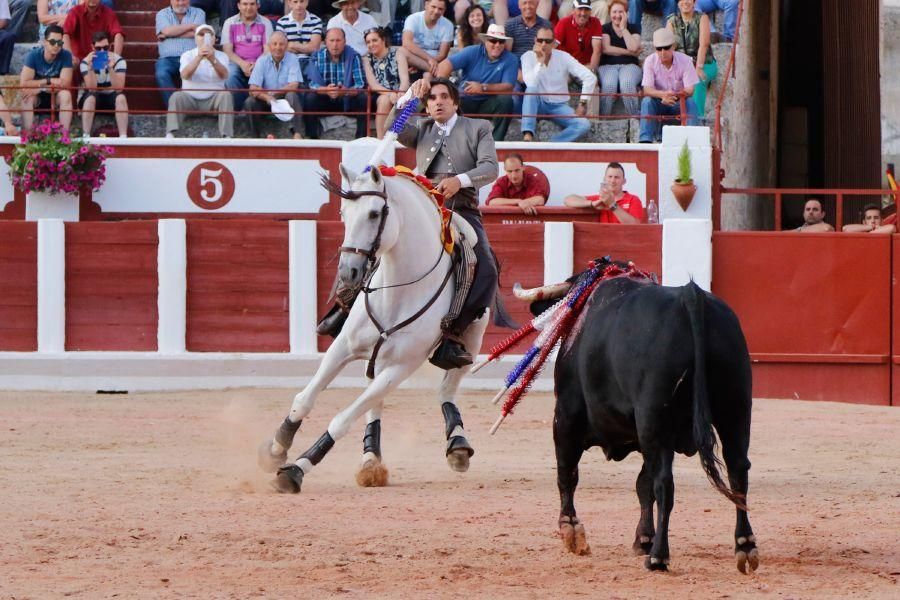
{"x":375,"y":174}
{"x":346,"y":174}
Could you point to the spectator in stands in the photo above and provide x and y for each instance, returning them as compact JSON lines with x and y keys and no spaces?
{"x":12,"y":17}
{"x":488,"y":67}
{"x":523,"y":28}
{"x":335,"y":73}
{"x":387,"y":74}
{"x":427,"y":37}
{"x":175,"y":28}
{"x":669,"y":76}
{"x":47,"y":71}
{"x":614,"y":203}
{"x":244,"y":39}
{"x":636,"y":8}
{"x":204,"y":71}
{"x":303,"y":30}
{"x":598,"y":9}
{"x":276,"y":76}
{"x":729,"y":7}
{"x":871,"y":222}
{"x":504,"y":10}
{"x":354,"y":23}
{"x":8,"y":127}
{"x":473,"y":21}
{"x":53,"y":12}
{"x":580,"y":35}
{"x":103,"y":76}
{"x":461,"y":7}
{"x":620,"y":69}
{"x":523,"y":186}
{"x":86,"y":19}
{"x":228,"y":8}
{"x":814,"y":217}
{"x":546,"y":72}
{"x":691,"y":29}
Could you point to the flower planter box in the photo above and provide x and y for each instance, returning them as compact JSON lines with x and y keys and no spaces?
{"x":41,"y":205}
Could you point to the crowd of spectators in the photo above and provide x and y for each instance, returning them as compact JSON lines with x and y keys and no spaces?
{"x":302,"y":60}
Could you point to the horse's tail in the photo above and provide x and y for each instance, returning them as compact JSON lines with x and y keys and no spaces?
{"x":501,"y":317}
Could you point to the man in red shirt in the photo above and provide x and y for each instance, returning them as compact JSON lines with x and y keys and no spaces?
{"x":86,"y":19}
{"x":525,"y":187}
{"x":614,"y":203}
{"x":580,"y":35}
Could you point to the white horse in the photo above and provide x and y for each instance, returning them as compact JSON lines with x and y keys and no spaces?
{"x":392,"y":220}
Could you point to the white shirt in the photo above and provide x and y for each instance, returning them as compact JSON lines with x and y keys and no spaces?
{"x":444,"y":130}
{"x":552,"y":80}
{"x":205,"y":76}
{"x":353,"y":31}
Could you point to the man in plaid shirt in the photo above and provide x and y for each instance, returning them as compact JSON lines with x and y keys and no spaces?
{"x":335,"y":74}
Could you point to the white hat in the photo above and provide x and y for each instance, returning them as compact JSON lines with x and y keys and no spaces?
{"x":495,"y":32}
{"x":337,"y":3}
{"x":663,"y":38}
{"x":282,"y":110}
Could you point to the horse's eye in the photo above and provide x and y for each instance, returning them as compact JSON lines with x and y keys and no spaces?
{"x":373,"y":214}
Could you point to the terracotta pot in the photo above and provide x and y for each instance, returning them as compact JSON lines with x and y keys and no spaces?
{"x":684,"y":193}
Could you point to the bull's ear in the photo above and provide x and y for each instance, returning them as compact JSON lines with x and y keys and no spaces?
{"x":347,"y":175}
{"x":375,"y":174}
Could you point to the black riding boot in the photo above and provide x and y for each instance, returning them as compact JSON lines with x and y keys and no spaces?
{"x":333,"y":321}
{"x":451,"y":353}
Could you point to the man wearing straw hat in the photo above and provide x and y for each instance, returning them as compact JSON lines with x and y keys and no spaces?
{"x":669,"y":76}
{"x":354,"y":23}
{"x":487,"y":69}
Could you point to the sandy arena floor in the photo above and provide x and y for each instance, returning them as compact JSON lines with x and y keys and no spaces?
{"x":158,"y":496}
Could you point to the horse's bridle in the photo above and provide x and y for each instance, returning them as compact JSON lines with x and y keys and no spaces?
{"x":376,"y":243}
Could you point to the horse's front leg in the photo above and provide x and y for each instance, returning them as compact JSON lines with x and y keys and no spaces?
{"x":273,"y":452}
{"x":290,"y":477}
{"x":372,"y":472}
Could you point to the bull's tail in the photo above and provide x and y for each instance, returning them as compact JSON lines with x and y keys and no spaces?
{"x":704,"y":436}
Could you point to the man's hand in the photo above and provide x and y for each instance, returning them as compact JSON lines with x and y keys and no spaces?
{"x":449,"y":186}
{"x":542,"y":52}
{"x":432,"y":66}
{"x":89,"y":59}
{"x":332,"y":91}
{"x":669,"y":98}
{"x":473,"y":87}
{"x":247,"y":68}
{"x":420,"y":89}
{"x":206,"y":52}
{"x":581,"y":110}
{"x":527,"y":208}
{"x":701,"y":73}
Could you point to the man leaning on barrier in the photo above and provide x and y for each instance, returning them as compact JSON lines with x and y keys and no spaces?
{"x":276,"y":77}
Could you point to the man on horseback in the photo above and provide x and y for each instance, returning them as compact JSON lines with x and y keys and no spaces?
{"x":457,"y":153}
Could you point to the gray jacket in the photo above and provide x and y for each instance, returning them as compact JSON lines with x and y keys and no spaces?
{"x":470,"y":147}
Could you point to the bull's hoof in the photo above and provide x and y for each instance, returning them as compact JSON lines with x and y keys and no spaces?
{"x":458,"y":453}
{"x":574,"y":538}
{"x":642,"y":545}
{"x":267,"y":461}
{"x":372,"y":472}
{"x":656,"y":564}
{"x":746,"y":554}
{"x":289,"y":479}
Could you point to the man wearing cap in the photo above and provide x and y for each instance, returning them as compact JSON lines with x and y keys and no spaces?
{"x":669,"y":76}
{"x":354,"y":23}
{"x":427,"y":37}
{"x":599,"y":9}
{"x":580,"y":35}
{"x":203,"y":73}
{"x":276,"y":77}
{"x":546,"y":72}
{"x":175,"y":27}
{"x":244,"y":39}
{"x":487,"y":67}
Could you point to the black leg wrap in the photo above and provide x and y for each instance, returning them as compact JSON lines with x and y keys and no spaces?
{"x":451,"y":418}
{"x":318,"y":450}
{"x":372,"y":438}
{"x":285,"y":434}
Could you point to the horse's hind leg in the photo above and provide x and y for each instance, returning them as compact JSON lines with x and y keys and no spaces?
{"x":290,"y":477}
{"x":372,"y":472}
{"x":273,"y":452}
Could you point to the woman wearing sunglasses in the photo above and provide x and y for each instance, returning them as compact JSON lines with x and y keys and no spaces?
{"x":692,"y":30}
{"x":387,"y":74}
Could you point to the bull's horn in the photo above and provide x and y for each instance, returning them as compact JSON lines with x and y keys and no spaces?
{"x":544,"y":292}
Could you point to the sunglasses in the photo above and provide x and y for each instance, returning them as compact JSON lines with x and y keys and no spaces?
{"x":544,"y":40}
{"x":372,"y":30}
{"x":661,"y":48}
{"x":56,"y":43}
{"x":103,"y":47}
{"x":493,"y":41}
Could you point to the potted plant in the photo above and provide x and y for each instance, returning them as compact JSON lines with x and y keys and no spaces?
{"x":52,"y":169}
{"x":684,"y":189}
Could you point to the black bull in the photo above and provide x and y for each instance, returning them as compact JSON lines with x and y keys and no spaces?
{"x":654,"y":369}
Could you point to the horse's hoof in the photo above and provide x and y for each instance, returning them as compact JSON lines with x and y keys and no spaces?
{"x":574,"y":538}
{"x":656,"y":564}
{"x":372,"y":472}
{"x":642,"y":545}
{"x":458,"y":453}
{"x":267,"y":461}
{"x":289,"y":479}
{"x":747,"y":559}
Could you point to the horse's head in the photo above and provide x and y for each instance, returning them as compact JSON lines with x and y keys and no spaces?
{"x":368,"y":232}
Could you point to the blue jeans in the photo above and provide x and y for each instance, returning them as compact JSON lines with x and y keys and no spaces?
{"x":636,"y":10}
{"x":651,"y":129}
{"x":731,"y":9}
{"x":237,"y":81}
{"x":167,"y":75}
{"x":564,"y":115}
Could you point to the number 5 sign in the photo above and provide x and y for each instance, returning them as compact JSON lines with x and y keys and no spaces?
{"x":210,"y":185}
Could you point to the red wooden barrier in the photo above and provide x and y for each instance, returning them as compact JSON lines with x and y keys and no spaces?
{"x":814,"y":309}
{"x":237,"y":286}
{"x":18,"y":286}
{"x":111,"y":286}
{"x":329,"y":236}
{"x":641,"y":244}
